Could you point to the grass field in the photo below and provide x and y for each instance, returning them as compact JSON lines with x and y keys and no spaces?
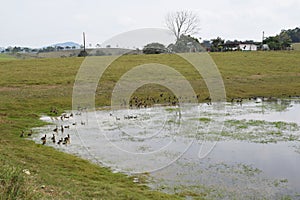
{"x":29,"y":88}
{"x":5,"y":57}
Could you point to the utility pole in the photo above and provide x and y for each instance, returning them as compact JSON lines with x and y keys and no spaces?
{"x":83,"y":41}
{"x":263,"y":37}
{"x":83,"y":53}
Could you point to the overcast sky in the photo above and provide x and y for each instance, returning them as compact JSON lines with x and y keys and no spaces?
{"x":37,"y":23}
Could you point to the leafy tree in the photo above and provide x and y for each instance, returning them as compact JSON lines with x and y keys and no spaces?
{"x":186,"y":44}
{"x":279,"y":42}
{"x":16,"y":49}
{"x":182,"y":23}
{"x":217,"y":44}
{"x":82,"y":53}
{"x":59,"y":48}
{"x":206,"y":44}
{"x":285,"y":40}
{"x":294,"y":34}
{"x":26,"y":49}
{"x":49,"y":49}
{"x":154,"y":48}
{"x":8,"y":49}
{"x":272,"y":42}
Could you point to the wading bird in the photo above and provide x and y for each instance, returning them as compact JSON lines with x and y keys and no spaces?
{"x":44,"y":139}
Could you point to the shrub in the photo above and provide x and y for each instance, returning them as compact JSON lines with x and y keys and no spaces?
{"x":154,"y":48}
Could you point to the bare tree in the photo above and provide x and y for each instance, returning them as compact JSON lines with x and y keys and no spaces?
{"x":182,"y":22}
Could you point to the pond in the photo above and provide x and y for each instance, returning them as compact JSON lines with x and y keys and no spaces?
{"x":242,"y":151}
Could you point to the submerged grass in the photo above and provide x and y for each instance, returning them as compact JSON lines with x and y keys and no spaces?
{"x":204,"y":119}
{"x":30,"y":88}
{"x":258,"y":131}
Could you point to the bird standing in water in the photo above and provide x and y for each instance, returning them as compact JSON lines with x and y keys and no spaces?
{"x":62,"y":129}
{"x":56,"y":129}
{"x":44,"y":139}
{"x":67,"y":140}
{"x":53,"y":138}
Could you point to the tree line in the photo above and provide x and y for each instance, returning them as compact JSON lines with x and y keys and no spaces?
{"x":183,"y":24}
{"x":35,"y":50}
{"x":283,"y":40}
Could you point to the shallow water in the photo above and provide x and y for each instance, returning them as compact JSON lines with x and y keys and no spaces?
{"x":243,"y":151}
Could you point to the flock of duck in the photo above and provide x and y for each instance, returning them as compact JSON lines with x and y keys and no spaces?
{"x":134,"y":102}
{"x":255,"y":99}
{"x":63,"y":140}
{"x":163,"y":99}
{"x":58,"y":136}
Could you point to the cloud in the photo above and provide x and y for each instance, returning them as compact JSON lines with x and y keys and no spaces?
{"x":126,"y":21}
{"x":39,"y":23}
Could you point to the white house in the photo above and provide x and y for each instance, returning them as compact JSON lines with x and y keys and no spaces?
{"x":265,"y":47}
{"x":248,"y":47}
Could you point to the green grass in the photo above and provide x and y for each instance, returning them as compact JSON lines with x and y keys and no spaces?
{"x":13,"y":184}
{"x":5,"y":57}
{"x":29,"y":88}
{"x":247,"y":74}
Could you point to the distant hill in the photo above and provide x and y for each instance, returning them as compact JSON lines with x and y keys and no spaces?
{"x":67,"y":44}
